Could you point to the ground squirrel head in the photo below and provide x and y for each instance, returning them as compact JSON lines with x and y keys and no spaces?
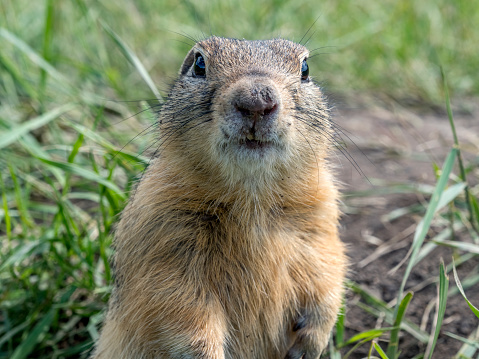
{"x":246,"y":112}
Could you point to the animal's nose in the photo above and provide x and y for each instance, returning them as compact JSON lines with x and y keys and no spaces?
{"x":259,"y":101}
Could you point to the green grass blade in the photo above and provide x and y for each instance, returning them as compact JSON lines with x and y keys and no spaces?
{"x":459,"y":286}
{"x":6,"y":212}
{"x":419,"y":237}
{"x":12,"y":332}
{"x":20,"y":252}
{"x":71,"y":157}
{"x":380,"y":351}
{"x":464,"y":246}
{"x":76,"y":147}
{"x":10,"y":136}
{"x":379,"y":307}
{"x":394,"y":341}
{"x":32,"y":55}
{"x":422,"y":230}
{"x":74,"y":351}
{"x":470,"y":347}
{"x":468,"y":341}
{"x":93,"y":324}
{"x":92,"y":135}
{"x":357,"y":345}
{"x":462,"y":171}
{"x":340,"y":326}
{"x":27,"y":346}
{"x":450,"y":194}
{"x":333,"y":351}
{"x":441,"y":237}
{"x":475,"y":209}
{"x":446,"y":197}
{"x":47,"y":39}
{"x":21,"y":199}
{"x":368,"y":334}
{"x":441,"y":309}
{"x":82,"y":172}
{"x":11,"y":67}
{"x":133,"y":59}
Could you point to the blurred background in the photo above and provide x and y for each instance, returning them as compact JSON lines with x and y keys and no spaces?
{"x":81,"y":82}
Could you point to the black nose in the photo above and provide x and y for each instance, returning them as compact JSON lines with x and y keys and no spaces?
{"x":256,"y":102}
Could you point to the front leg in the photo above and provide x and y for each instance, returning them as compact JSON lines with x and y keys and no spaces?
{"x":175,"y":332}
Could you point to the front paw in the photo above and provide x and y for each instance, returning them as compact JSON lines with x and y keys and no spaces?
{"x":310,"y":339}
{"x":304,"y":348}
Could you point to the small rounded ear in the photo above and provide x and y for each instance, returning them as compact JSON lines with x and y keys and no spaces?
{"x":190,"y":58}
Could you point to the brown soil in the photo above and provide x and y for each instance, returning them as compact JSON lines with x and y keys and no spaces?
{"x":392,"y":148}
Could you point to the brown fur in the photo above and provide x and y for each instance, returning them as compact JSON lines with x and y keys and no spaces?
{"x":226,"y":251}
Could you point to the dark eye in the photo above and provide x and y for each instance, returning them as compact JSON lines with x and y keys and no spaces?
{"x":199,"y":70}
{"x":304,"y":70}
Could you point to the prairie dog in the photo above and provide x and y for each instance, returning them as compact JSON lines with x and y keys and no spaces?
{"x":228,"y":247}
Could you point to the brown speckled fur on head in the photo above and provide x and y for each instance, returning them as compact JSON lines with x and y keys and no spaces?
{"x":233,"y":54}
{"x":229,"y":246}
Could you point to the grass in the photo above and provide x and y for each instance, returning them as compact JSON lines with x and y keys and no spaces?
{"x":80,"y":82}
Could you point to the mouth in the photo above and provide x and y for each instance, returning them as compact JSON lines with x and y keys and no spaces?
{"x":252,"y":143}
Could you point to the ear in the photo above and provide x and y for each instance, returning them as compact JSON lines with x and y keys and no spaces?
{"x":190,"y":58}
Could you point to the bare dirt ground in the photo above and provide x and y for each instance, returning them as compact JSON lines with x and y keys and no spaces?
{"x":398,"y":146}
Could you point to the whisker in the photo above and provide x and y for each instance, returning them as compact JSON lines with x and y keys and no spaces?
{"x":309,"y":29}
{"x":321,"y":53}
{"x":138,"y":113}
{"x":127,"y":101}
{"x":186,"y":36}
{"x":314,"y":154}
{"x":345,"y":132}
{"x":310,"y":37}
{"x":338,"y":145}
{"x":136,"y":136}
{"x":166,"y":138}
{"x":322,"y":47}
